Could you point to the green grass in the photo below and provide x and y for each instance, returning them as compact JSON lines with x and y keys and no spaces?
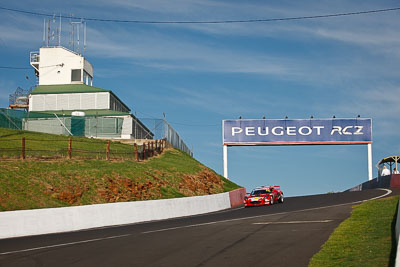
{"x":51,"y":145}
{"x":32,"y":183}
{"x":365,"y":239}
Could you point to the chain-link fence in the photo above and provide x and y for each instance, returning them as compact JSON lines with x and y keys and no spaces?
{"x":91,"y":126}
{"x":97,"y":126}
{"x":12,"y":119}
{"x":163,"y":130}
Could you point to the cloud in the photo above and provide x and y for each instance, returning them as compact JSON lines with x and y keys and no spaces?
{"x":165,"y":52}
{"x":221,"y":101}
{"x":178,"y":47}
{"x":20,"y":31}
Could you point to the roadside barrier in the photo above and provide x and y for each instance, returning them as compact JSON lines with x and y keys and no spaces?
{"x":388,"y":181}
{"x":55,"y":220}
{"x":236,"y":196}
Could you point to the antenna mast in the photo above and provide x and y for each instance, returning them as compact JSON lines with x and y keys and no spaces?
{"x":52,"y":34}
{"x":78,"y":28}
{"x":51,"y":37}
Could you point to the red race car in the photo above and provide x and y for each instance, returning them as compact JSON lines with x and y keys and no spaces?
{"x":264,"y":195}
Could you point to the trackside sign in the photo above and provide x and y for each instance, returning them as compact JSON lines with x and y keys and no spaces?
{"x":297,"y":132}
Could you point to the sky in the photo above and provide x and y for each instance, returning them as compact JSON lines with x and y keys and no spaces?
{"x":200,"y":74}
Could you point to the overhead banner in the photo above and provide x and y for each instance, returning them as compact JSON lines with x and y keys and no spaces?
{"x":297,"y":132}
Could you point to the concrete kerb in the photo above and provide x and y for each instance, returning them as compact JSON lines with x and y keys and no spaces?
{"x":55,"y":220}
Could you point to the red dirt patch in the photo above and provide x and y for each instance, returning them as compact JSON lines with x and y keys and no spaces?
{"x":124,"y":189}
{"x":69,"y":194}
{"x":205,"y":182}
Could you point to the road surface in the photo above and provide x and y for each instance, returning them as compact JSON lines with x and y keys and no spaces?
{"x":287,"y":234}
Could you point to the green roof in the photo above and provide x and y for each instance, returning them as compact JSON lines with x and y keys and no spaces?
{"x":66,"y":88}
{"x":67,"y":113}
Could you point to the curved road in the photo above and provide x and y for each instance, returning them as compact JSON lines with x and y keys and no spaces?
{"x":287,"y":234}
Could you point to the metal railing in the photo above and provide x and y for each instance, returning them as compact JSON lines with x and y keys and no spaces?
{"x":163,"y":130}
{"x":34,"y":57}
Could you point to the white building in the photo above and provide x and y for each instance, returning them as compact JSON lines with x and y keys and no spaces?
{"x":58,"y":65}
{"x":65,"y":89}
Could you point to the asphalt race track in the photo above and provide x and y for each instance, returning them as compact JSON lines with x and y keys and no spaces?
{"x":287,"y":234}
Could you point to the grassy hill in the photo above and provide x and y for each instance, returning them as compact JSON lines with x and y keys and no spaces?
{"x":57,"y":182}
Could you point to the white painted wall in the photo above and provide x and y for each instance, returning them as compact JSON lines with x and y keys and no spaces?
{"x":45,"y":221}
{"x":56,"y":63}
{"x":74,"y":101}
{"x":45,"y":126}
{"x":127,"y":128}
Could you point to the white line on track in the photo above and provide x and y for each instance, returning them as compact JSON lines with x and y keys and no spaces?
{"x":266,"y":215}
{"x":64,"y":244}
{"x":188,"y":226}
{"x":295,"y":222}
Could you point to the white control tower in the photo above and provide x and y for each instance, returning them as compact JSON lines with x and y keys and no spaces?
{"x":59,"y":65}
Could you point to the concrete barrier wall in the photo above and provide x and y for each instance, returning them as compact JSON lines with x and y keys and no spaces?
{"x":395,"y":180}
{"x":55,"y":220}
{"x":380,"y":182}
{"x":236,"y":197}
{"x":388,"y":181}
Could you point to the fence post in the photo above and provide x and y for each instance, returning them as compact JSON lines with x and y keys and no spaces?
{"x":152,"y":149}
{"x":144,"y":151}
{"x":108,"y":151}
{"x":136,"y":152}
{"x":69,"y":148}
{"x":23,"y":148}
{"x":149,"y":149}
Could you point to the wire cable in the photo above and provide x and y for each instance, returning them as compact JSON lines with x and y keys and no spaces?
{"x":207,"y":21}
{"x":195,"y":125}
{"x":14,"y":68}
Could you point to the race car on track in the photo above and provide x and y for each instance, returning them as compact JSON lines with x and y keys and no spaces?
{"x":264,"y":195}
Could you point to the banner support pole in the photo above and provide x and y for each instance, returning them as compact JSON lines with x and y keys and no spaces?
{"x":225,"y":152}
{"x":369,"y":162}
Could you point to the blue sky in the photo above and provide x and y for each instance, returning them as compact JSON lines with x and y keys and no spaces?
{"x":201,"y":74}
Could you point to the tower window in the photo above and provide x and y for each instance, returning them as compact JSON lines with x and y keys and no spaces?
{"x":75,"y":75}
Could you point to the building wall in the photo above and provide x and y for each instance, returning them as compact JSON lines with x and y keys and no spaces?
{"x":132,"y":129}
{"x":77,"y":101}
{"x":140,"y":132}
{"x":117,"y":105}
{"x":56,"y":63}
{"x":127,"y":128}
{"x":112,"y":127}
{"x":104,"y":127}
{"x":47,"y":125}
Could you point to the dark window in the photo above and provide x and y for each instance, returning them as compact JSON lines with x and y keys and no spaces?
{"x":259,"y":192}
{"x":76,"y":75}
